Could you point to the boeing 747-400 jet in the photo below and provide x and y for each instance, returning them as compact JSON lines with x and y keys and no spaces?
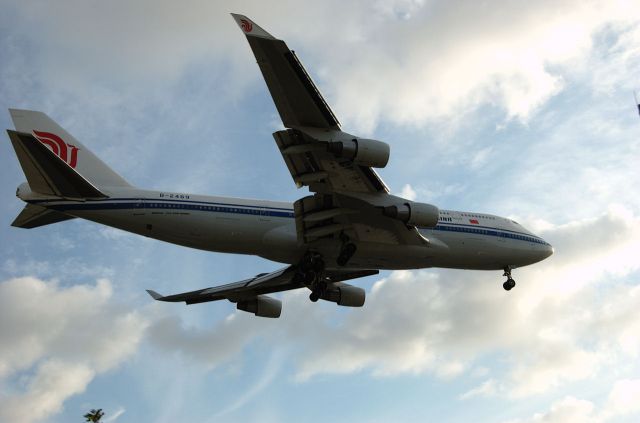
{"x":349,"y":227}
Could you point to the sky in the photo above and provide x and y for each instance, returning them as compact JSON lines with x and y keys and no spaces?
{"x":520,"y":109}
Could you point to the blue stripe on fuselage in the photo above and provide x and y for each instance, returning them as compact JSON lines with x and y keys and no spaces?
{"x":150,"y":205}
{"x":489,"y":231}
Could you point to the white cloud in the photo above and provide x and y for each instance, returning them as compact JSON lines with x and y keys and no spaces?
{"x":408,"y":192}
{"x":402,"y":9}
{"x":444,"y":61}
{"x":568,"y":410}
{"x":53,"y":382}
{"x":153,"y":37}
{"x":547,"y":364}
{"x":624,"y":398}
{"x":434,"y":314}
{"x":211,"y":346}
{"x":588,"y":250}
{"x":409,"y":62}
{"x":486,"y":388}
{"x":67,"y":268}
{"x":444,"y":322}
{"x":622,"y":401}
{"x":481,"y":158}
{"x":57,"y":339}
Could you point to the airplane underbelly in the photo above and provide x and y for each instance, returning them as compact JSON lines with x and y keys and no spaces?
{"x":130,"y":220}
{"x":221,"y":232}
{"x":371,"y":255}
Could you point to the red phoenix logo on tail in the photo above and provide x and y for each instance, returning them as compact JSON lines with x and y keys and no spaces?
{"x":246,"y":25}
{"x":67,"y":152}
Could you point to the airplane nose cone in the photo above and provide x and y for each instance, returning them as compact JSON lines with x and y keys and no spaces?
{"x":547,"y":251}
{"x":540,"y":252}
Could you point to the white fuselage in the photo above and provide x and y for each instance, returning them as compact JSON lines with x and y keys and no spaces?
{"x":267,"y":229}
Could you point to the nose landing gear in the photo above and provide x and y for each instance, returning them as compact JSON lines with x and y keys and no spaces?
{"x":510,"y":283}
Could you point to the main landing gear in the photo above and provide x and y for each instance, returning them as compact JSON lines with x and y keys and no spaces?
{"x":311,"y":274}
{"x":311,"y":271}
{"x":317,"y":290}
{"x":510,"y":283}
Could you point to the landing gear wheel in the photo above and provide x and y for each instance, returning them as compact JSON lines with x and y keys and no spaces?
{"x":317,"y":290}
{"x":509,"y":284}
{"x":345,"y":255}
{"x":311,"y":273}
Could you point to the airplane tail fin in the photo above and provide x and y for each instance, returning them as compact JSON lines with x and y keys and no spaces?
{"x":54,"y":162}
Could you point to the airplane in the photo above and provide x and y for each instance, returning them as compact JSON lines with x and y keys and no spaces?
{"x":350,"y":226}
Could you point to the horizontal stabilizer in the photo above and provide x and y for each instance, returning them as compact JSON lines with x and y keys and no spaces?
{"x":34,"y":216}
{"x":154,"y":295}
{"x":47,"y":173}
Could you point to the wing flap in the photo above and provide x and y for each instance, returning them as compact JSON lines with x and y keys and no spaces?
{"x":310,"y":164}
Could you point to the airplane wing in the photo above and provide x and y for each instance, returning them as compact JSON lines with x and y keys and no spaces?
{"x":247,"y":290}
{"x":302,"y":108}
{"x":336,"y":166}
{"x":296,"y":97}
{"x":280,"y":280}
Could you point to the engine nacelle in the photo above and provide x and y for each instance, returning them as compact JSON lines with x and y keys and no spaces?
{"x":344,"y":294}
{"x":261,"y":306}
{"x":415,"y":214}
{"x":362,"y":151}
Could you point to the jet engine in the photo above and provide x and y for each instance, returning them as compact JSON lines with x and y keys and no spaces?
{"x":362,"y":151}
{"x":344,"y":295}
{"x":261,"y":306}
{"x":421,"y":215}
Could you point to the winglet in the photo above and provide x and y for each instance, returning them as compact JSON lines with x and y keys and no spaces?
{"x":250,"y":28}
{"x":154,"y":294}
